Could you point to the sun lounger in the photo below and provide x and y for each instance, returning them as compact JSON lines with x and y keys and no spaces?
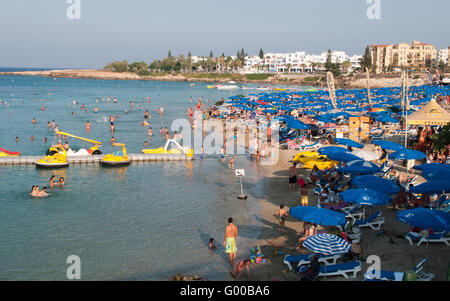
{"x":398,"y":276}
{"x":349,"y":208}
{"x":354,"y":213}
{"x":306,"y":259}
{"x":347,"y":269}
{"x":435,"y":237}
{"x":315,"y":145}
{"x":374,"y":221}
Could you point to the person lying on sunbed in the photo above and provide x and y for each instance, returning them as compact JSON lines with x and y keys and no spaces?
{"x":310,"y":231}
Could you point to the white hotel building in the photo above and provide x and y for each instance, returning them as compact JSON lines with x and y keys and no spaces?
{"x":295,"y":62}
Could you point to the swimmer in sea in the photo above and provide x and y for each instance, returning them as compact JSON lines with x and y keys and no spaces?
{"x":88,"y":126}
{"x":17,"y":139}
{"x":52,"y":183}
{"x":33,"y":121}
{"x":61,"y":182}
{"x":33,"y":191}
{"x":43,"y":192}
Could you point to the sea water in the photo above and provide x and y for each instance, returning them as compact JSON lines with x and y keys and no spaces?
{"x":147,"y":221}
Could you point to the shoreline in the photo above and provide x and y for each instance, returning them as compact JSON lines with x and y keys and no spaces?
{"x":315,"y":80}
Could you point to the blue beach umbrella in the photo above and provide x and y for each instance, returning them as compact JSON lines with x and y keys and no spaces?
{"x":436,"y":174}
{"x":317,"y":215}
{"x":365,"y":196}
{"x":331,"y":149}
{"x":426,"y":218}
{"x":407,"y":154}
{"x":327,"y":244}
{"x":376,"y":183}
{"x":433,"y":187}
{"x":342,"y":157}
{"x":348,"y":142}
{"x":386,"y":144}
{"x":430,"y":166}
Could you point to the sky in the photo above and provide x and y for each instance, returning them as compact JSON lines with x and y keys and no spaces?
{"x":40,"y":33}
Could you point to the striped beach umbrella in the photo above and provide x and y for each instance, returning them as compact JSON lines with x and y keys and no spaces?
{"x":327,"y":244}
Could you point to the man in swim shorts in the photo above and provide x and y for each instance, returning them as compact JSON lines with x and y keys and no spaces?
{"x":229,"y":241}
{"x":292,"y":177}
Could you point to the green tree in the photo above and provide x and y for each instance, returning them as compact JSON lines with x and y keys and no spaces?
{"x":366,"y":60}
{"x":137,"y":67}
{"x":261,"y":53}
{"x":441,"y":140}
{"x":335,"y":68}
{"x":117,"y":66}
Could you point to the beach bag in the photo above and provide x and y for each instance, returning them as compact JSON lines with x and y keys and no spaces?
{"x":313,"y":270}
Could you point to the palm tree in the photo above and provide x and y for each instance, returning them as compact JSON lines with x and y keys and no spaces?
{"x":289,"y":66}
{"x":303,"y":67}
{"x":346,"y":66}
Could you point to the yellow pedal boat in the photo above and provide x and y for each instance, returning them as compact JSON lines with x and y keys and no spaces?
{"x":56,"y":157}
{"x":119,"y":158}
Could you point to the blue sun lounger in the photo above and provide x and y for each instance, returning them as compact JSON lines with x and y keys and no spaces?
{"x":436,"y":237}
{"x":374,"y":221}
{"x":347,"y":269}
{"x":306,"y":259}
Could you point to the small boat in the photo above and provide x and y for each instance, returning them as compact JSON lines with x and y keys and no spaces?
{"x":192,"y":85}
{"x":227,"y":87}
{"x":279,"y":89}
{"x":56,"y":157}
{"x":83,"y":152}
{"x":177,"y":149}
{"x":119,"y":158}
{"x":6,"y":153}
{"x":210,"y":87}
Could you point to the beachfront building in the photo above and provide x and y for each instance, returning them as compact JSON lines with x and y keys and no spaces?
{"x":296,"y":62}
{"x":417,"y":55}
{"x":442,"y":56}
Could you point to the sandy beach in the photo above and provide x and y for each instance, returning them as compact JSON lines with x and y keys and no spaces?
{"x":396,"y":256}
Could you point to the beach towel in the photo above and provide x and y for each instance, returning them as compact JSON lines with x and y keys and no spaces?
{"x":230,"y":246}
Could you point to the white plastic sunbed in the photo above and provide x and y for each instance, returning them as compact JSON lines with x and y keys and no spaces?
{"x":347,"y":269}
{"x":436,"y":237}
{"x":398,"y":276}
{"x":315,"y":145}
{"x":306,"y":259}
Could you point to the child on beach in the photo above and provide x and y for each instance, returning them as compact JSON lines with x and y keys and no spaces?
{"x":231,"y":165}
{"x":281,"y":215}
{"x":240,"y":268}
{"x":212,"y":246}
{"x":304,"y":194}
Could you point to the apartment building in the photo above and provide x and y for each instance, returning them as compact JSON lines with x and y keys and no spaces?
{"x":417,"y":55}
